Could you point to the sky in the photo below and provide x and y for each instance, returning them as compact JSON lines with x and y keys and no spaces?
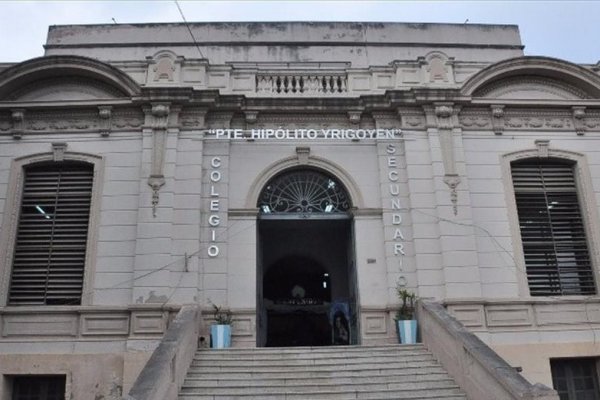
{"x":564,"y":29}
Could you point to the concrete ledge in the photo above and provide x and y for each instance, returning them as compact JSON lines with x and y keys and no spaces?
{"x":164,"y":373}
{"x":35,"y":323}
{"x":475,"y":367}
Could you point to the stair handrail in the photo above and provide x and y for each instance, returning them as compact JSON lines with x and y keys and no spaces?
{"x":164,"y":373}
{"x":476,"y":368}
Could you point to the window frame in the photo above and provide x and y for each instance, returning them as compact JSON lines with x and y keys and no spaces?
{"x":8,"y":231}
{"x":569,"y":361}
{"x":45,"y":377}
{"x":587,"y":204}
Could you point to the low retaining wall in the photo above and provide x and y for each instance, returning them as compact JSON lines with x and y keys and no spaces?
{"x":164,"y":373}
{"x":475,"y":367}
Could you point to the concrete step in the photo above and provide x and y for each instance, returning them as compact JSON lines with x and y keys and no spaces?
{"x":319,"y":373}
{"x":367,"y":366}
{"x":217,"y":355}
{"x":309,"y":374}
{"x":288,"y":378}
{"x":317,"y":387}
{"x":312,"y":362}
{"x":312,"y":352}
{"x":442,"y":394}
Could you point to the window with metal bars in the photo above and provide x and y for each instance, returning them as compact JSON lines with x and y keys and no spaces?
{"x":555,"y":245}
{"x":575,"y":378}
{"x":38,"y":387}
{"x":51,"y":241}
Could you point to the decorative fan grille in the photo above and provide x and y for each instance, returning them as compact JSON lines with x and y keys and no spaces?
{"x":303,"y":192}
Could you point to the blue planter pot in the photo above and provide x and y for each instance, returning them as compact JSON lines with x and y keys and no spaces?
{"x":220,"y":336}
{"x":408,"y":331}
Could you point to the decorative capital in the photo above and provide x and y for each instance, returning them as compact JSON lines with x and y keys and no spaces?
{"x":444,"y":111}
{"x":354,"y":116}
{"x":18,"y":115}
{"x":497,"y":110}
{"x":445,"y":115}
{"x":160,"y":110}
{"x":578,"y":112}
{"x":157,"y":116}
{"x":104,"y":112}
{"x":251,"y":116}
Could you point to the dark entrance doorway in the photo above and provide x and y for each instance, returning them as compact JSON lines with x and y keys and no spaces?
{"x":296,"y":291}
{"x":306,"y":279}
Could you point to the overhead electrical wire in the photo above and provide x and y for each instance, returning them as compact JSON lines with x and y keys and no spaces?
{"x":189,"y":29}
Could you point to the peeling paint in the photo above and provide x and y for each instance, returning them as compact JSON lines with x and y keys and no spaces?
{"x":153,"y":298}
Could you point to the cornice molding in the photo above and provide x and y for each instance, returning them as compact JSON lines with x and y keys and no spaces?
{"x":572,"y":74}
{"x":22,"y":74}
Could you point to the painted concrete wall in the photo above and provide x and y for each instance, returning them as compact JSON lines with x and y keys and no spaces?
{"x":432,"y":207}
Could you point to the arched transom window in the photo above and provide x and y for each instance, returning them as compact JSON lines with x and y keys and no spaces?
{"x":303,"y":192}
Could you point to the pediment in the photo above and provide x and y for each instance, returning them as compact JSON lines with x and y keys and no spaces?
{"x":65,"y":89}
{"x":530,"y":88}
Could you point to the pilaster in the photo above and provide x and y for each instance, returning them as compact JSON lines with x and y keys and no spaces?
{"x":214,"y":223}
{"x":457,"y":237}
{"x":154,"y":259}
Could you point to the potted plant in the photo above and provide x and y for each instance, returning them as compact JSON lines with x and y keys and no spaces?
{"x":220,"y":332}
{"x":405,"y":316}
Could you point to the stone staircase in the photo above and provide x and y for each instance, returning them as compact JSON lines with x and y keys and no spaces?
{"x":319,"y":373}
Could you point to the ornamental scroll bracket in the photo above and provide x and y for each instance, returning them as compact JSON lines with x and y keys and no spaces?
{"x":18,"y":120}
{"x":579,"y":120}
{"x":497,"y":118}
{"x":105,"y":120}
{"x":446,"y":120}
{"x":157,"y":117}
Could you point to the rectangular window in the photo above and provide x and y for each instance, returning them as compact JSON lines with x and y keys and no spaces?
{"x":575,"y":378}
{"x":38,"y":387}
{"x":552,"y":228}
{"x":50,"y":247}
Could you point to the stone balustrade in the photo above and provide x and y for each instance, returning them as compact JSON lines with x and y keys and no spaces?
{"x":301,"y":84}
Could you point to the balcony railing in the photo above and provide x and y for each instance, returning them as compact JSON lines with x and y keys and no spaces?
{"x":301,"y":84}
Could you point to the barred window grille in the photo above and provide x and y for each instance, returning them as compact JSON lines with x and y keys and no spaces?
{"x":552,"y":228}
{"x":576,"y":378}
{"x":304,"y":192}
{"x":38,"y":387}
{"x":51,"y":241}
